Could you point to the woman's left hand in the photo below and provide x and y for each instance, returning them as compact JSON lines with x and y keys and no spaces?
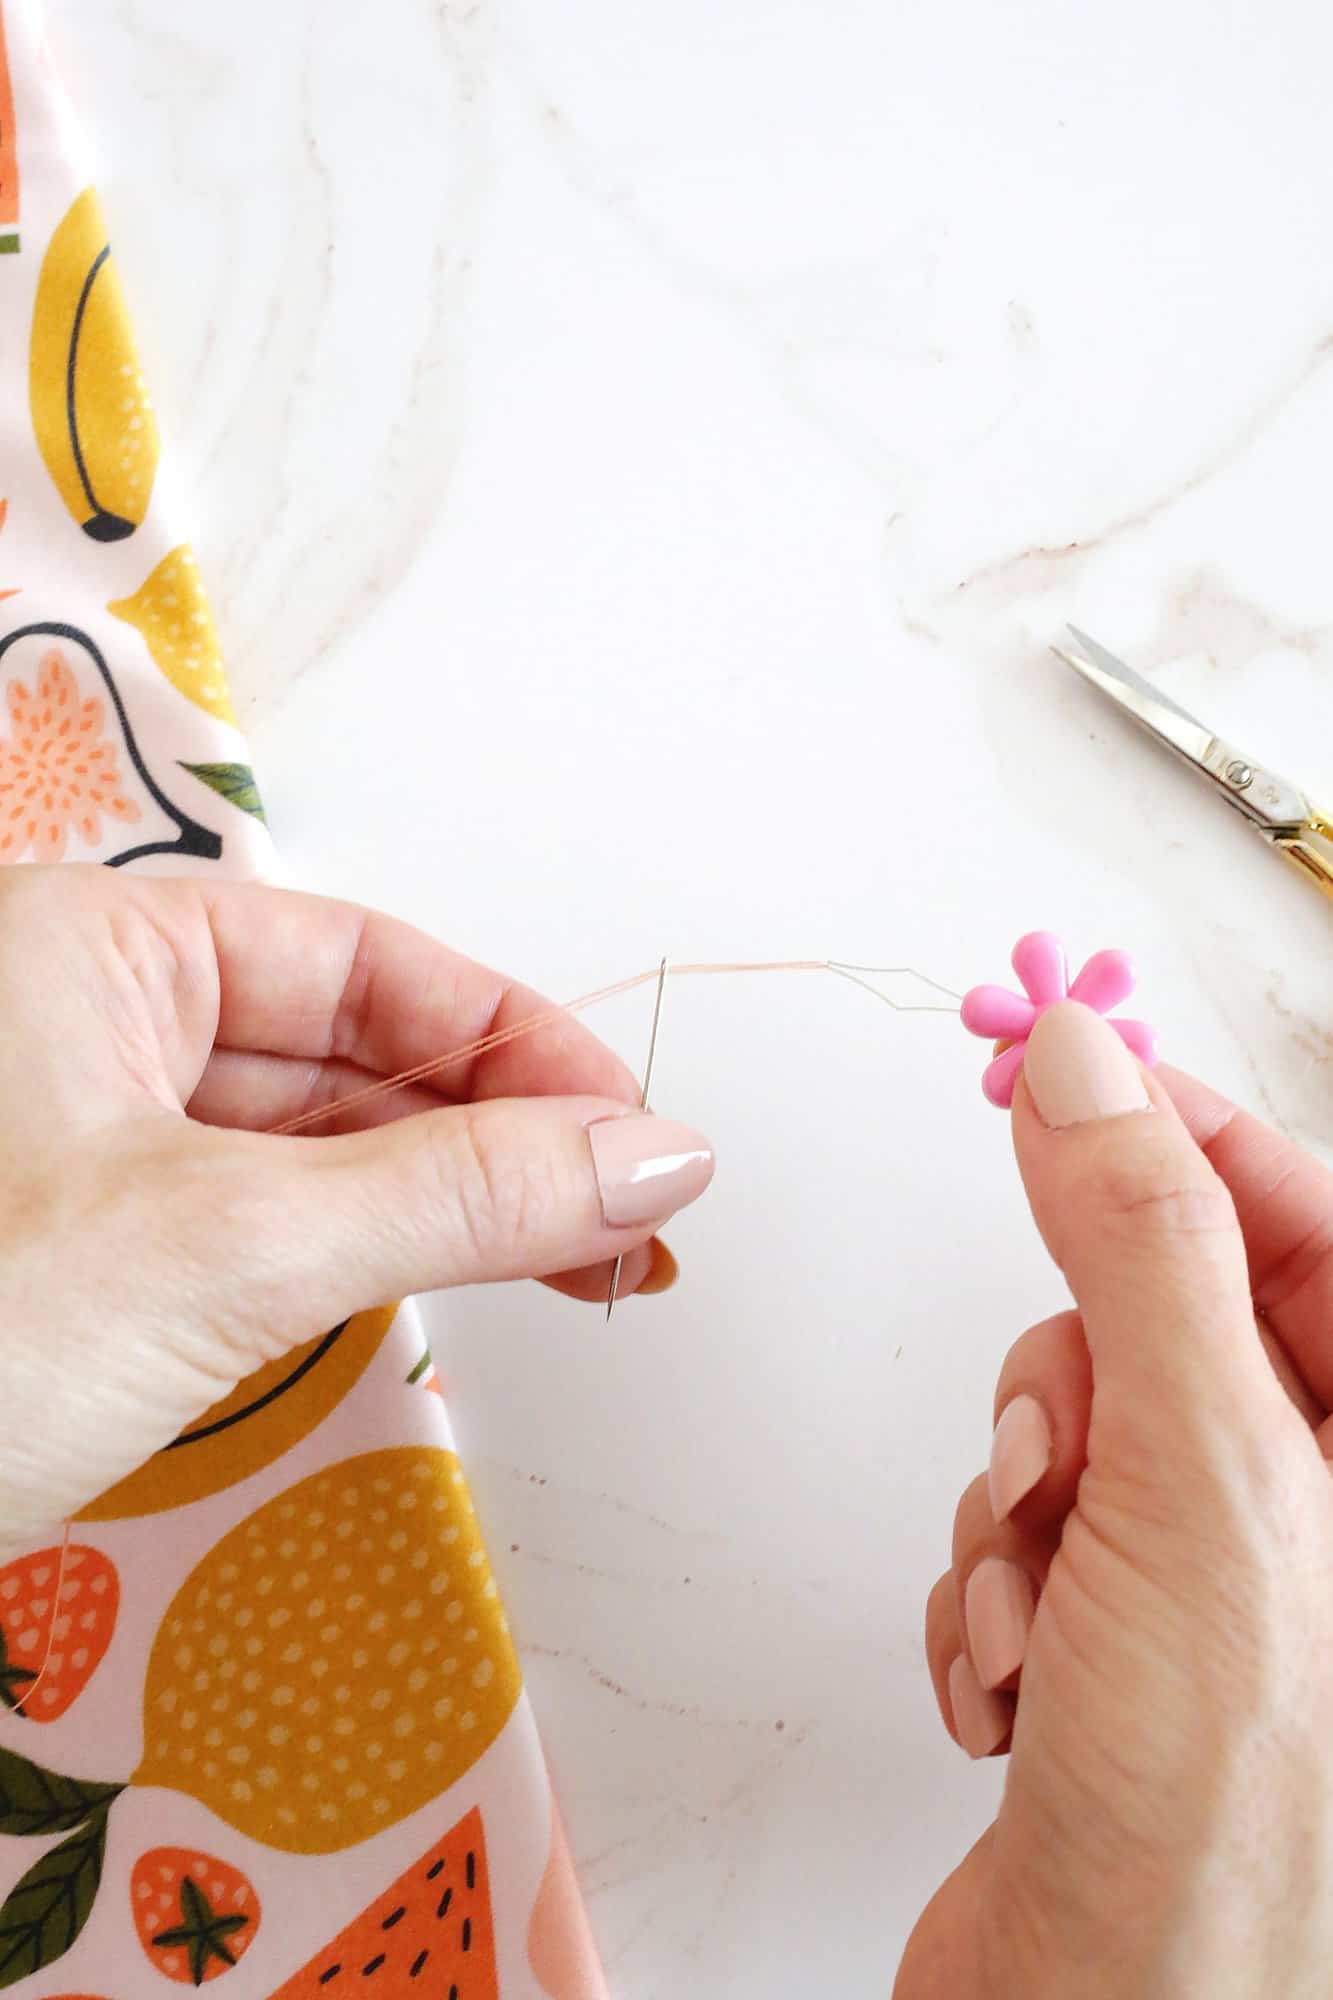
{"x":156,"y":1247}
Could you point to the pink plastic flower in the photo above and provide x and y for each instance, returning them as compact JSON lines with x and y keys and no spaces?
{"x":1039,"y":960}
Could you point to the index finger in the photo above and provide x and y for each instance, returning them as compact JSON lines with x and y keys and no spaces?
{"x":314,"y":978}
{"x":1284,"y":1202}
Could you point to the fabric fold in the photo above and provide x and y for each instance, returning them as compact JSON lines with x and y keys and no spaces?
{"x":261,"y":1715}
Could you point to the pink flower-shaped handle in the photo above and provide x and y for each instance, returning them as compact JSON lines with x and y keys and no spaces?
{"x":1040,"y":962}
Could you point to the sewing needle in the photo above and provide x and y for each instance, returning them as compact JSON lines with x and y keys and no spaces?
{"x":643,"y":1106}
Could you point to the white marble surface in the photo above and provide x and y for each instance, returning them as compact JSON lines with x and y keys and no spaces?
{"x":639,"y":452}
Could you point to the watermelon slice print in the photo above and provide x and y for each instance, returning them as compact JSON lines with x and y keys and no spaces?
{"x":432,"y":1926}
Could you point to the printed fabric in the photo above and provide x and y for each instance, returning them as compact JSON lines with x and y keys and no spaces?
{"x":261,"y":1716}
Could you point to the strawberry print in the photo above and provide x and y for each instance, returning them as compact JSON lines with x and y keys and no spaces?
{"x":57,"y":1614}
{"x":195,"y":1916}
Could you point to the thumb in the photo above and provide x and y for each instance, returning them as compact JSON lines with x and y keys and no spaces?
{"x":208,"y":1252}
{"x":506,"y":1188}
{"x":1146,"y":1234}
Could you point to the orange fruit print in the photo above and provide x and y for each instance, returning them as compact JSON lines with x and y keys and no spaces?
{"x":194,"y":1915}
{"x":57,"y":1614}
{"x":263,"y":1417}
{"x":432,"y":1925}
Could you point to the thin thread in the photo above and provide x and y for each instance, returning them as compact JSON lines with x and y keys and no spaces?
{"x":662,"y":969}
{"x":36,"y":1680}
{"x":907,"y":971}
{"x":500,"y":1037}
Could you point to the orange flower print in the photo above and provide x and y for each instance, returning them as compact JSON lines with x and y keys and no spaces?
{"x":56,"y":772}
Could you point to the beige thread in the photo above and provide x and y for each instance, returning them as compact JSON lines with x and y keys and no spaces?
{"x":855,"y":973}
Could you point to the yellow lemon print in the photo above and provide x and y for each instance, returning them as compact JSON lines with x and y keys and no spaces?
{"x":91,"y":415}
{"x":263,"y":1417}
{"x":171,"y":611}
{"x":335,"y":1661}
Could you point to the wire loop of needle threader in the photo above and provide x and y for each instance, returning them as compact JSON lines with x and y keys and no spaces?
{"x":643,"y":1106}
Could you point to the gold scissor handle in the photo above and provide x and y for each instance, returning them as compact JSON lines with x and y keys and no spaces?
{"x":1310,"y":848}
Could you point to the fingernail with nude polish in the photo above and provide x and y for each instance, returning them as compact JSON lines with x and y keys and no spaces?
{"x":1020,"y":1454}
{"x":647,"y":1167}
{"x":662,"y":1272}
{"x":1078,"y":1069}
{"x":981,"y":1718}
{"x":1000,"y":1605}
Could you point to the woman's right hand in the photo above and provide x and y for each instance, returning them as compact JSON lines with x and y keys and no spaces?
{"x":1140,"y":1600}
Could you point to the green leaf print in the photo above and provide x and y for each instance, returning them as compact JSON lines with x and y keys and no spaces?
{"x":44,"y":1913}
{"x":235,"y":782}
{"x":34,"y":1801}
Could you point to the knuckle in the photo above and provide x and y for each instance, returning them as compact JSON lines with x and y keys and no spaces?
{"x":971,"y":1516}
{"x":462,"y":1167}
{"x":1053,"y":1352}
{"x":495,"y":1194}
{"x":1160,"y":1187}
{"x":1057,"y":1332}
{"x":355,"y":1005}
{"x":1036,"y":1345}
{"x":152,"y":1213}
{"x":941,"y":1613}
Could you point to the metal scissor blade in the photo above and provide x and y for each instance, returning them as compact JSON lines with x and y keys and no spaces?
{"x":1266,"y":798}
{"x":1148,"y":705}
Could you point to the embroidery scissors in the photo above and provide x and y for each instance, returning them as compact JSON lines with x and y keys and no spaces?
{"x":1273,"y":806}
